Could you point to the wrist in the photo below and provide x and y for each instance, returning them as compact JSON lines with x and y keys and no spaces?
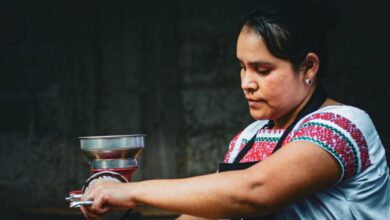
{"x":135,"y":192}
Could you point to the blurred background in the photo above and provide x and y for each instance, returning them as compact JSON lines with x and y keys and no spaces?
{"x":163,"y":68}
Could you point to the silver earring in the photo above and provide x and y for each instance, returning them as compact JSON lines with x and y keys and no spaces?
{"x":308,"y":81}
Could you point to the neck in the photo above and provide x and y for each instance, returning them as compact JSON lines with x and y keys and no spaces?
{"x":288,"y":119}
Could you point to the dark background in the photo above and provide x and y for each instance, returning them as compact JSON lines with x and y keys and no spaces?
{"x":164,"y":68}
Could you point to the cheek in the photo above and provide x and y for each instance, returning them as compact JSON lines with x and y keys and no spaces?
{"x":274,"y":88}
{"x":280,"y":91}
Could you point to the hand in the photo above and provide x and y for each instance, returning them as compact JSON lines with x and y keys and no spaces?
{"x":106,"y":196}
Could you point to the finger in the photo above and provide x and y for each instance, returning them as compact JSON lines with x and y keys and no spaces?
{"x":87,"y":197}
{"x":90,"y":193}
{"x":99,"y":205}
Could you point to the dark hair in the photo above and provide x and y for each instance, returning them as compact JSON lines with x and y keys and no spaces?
{"x":292,"y":28}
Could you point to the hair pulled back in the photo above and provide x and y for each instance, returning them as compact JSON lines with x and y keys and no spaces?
{"x":291,"y":29}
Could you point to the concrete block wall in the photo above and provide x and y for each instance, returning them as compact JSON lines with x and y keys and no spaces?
{"x":164,"y":68}
{"x":214,"y":106}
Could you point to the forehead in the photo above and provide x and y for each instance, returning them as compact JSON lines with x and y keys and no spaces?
{"x":251,"y":47}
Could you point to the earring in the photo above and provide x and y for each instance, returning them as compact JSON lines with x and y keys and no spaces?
{"x":308,"y":81}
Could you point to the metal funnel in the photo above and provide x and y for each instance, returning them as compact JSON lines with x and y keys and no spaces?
{"x":113,"y":147}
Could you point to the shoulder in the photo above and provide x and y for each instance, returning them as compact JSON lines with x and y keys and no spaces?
{"x":344,"y":116}
{"x":341,"y":130}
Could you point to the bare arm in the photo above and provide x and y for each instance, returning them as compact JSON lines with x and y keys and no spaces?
{"x":189,"y":217}
{"x":297,"y":170}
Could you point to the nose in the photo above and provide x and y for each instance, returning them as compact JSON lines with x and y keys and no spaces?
{"x":248,"y":82}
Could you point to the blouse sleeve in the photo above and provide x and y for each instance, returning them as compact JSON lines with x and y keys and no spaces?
{"x":340,"y":137}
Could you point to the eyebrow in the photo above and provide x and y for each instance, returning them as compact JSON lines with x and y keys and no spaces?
{"x":258,"y":63}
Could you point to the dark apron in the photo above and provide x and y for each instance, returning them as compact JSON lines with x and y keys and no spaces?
{"x":317,"y":99}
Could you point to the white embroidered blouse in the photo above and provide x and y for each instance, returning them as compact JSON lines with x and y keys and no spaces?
{"x":348,"y":134}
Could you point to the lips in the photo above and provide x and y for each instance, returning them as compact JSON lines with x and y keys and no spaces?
{"x":253,"y":103}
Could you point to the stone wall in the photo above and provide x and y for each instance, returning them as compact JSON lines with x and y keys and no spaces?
{"x":164,"y":68}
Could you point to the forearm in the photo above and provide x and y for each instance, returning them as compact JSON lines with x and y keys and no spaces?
{"x":190,"y":217}
{"x":211,"y":196}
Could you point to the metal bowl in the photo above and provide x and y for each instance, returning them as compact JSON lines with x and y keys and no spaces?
{"x":116,"y":163}
{"x":113,"y":146}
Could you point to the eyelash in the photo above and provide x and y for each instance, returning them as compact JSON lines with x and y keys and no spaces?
{"x":262,"y":72}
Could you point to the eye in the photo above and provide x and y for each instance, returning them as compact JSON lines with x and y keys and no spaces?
{"x":263,"y":71}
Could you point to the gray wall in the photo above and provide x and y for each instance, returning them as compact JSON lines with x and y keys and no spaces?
{"x":164,"y":68}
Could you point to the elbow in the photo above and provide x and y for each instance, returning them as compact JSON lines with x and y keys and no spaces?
{"x":260,"y":197}
{"x":261,"y":204}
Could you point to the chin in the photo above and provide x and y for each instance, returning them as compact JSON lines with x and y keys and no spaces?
{"x":258,"y":115}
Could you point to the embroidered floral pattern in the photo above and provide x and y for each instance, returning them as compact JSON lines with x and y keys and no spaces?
{"x":263,"y":146}
{"x":340,"y":137}
{"x":334,"y":133}
{"x":231,"y":146}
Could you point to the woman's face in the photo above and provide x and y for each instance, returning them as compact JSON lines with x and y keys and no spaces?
{"x":271,"y":85}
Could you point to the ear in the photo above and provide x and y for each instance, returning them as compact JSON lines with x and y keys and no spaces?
{"x":311,"y":66}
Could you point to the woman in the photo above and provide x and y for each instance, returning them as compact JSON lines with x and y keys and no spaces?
{"x":320,"y":159}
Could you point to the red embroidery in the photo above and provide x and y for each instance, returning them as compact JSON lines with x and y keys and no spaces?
{"x":231,"y":146}
{"x":333,"y":141}
{"x":262,"y":149}
{"x":323,"y":134}
{"x":350,"y":128}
